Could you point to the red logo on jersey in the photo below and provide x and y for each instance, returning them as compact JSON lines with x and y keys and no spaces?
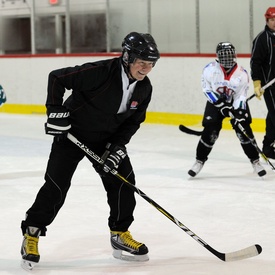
{"x":134,"y":105}
{"x":225,"y":90}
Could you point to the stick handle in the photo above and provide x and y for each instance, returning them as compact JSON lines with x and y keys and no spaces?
{"x":232,"y":256}
{"x":268,"y":84}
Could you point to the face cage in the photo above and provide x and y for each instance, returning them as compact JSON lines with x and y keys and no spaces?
{"x":227,"y":58}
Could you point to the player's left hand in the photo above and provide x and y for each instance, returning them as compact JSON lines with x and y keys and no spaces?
{"x":116,"y":155}
{"x":240,"y":117}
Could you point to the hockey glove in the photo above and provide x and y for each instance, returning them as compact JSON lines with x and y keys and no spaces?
{"x":240,"y":117}
{"x":3,"y":97}
{"x":224,"y":107}
{"x":116,"y":155}
{"x":58,"y":123}
{"x":257,"y":89}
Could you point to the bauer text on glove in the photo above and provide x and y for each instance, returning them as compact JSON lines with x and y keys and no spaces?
{"x":116,"y":155}
{"x":58,"y":123}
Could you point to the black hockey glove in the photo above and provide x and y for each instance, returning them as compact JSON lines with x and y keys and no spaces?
{"x":116,"y":154}
{"x":240,"y":117}
{"x":58,"y":123}
{"x":224,"y":107}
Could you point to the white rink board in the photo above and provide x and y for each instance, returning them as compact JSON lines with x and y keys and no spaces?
{"x":176,"y":82}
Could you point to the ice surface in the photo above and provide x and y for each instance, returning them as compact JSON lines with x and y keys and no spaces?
{"x":226,"y":205}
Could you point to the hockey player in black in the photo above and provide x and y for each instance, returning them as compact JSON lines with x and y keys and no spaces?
{"x":108,"y":103}
{"x":262,"y":71}
{"x":225,"y":85}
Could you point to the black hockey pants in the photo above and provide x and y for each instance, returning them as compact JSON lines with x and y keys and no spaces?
{"x":62,"y":163}
{"x":269,"y":96}
{"x":212,"y":123}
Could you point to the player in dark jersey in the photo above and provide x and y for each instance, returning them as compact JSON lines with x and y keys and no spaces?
{"x":262,"y":71}
{"x":108,"y":103}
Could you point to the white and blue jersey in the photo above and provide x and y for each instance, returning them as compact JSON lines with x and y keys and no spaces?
{"x":216,"y":83}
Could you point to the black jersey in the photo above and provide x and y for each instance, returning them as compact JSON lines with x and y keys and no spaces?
{"x":96,"y":96}
{"x":263,"y":56}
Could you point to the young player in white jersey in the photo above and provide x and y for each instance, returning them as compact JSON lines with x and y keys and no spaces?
{"x":225,"y":85}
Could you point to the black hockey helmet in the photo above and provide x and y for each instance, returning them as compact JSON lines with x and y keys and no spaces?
{"x":139,"y":45}
{"x":226,"y":54}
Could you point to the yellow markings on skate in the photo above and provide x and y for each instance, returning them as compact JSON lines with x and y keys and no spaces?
{"x":128,"y":240}
{"x":31,"y":245}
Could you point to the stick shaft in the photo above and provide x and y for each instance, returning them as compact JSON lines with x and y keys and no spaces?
{"x":232,"y":256}
{"x":263,"y":88}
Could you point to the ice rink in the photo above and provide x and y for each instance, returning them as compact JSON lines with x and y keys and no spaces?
{"x":226,"y":205}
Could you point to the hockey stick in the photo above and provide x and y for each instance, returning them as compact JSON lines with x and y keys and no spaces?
{"x":254,"y":143}
{"x":198,"y":133}
{"x":248,"y":252}
{"x":263,"y":88}
{"x":189,"y":131}
{"x":252,"y":140}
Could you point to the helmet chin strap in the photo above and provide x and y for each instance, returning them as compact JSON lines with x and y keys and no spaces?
{"x":131,"y":78}
{"x":128,"y":71}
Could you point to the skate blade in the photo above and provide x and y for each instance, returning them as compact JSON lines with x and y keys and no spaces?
{"x":118,"y":254}
{"x":27,"y":265}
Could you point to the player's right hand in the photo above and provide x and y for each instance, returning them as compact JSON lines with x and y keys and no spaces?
{"x":58,"y":123}
{"x":258,"y":89}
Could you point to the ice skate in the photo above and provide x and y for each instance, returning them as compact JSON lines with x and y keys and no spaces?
{"x":258,"y":168}
{"x":29,"y":249}
{"x":126,"y":248}
{"x":196,"y":168}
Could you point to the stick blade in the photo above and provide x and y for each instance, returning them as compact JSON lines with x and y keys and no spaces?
{"x":245,"y":253}
{"x":189,"y":131}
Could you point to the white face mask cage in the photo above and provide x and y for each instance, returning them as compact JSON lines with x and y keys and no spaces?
{"x":227,"y":58}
